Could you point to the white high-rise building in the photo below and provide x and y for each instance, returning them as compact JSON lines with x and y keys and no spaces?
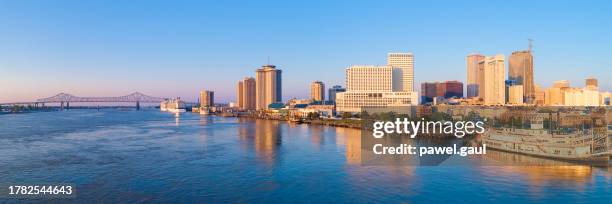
{"x":377,"y":86}
{"x":369,"y":78}
{"x":403,"y":72}
{"x":494,"y":80}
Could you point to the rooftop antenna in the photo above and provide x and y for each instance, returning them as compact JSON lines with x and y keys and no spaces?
{"x":530,"y":44}
{"x":268,"y":60}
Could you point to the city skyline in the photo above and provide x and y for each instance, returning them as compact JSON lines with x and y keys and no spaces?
{"x":48,"y":51}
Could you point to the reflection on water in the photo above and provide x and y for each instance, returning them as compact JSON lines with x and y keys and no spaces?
{"x":136,"y":156}
{"x":577,"y":175}
{"x":351,"y":139}
{"x":177,"y":119}
{"x":262,"y":136}
{"x":267,"y":139}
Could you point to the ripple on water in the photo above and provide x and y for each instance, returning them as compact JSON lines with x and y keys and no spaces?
{"x":149,"y":156}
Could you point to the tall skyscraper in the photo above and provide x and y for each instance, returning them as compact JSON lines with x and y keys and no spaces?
{"x":317,"y":91}
{"x":403,"y":74}
{"x":268,"y":86}
{"x":207,"y":98}
{"x":521,"y":70}
{"x":494,"y":80}
{"x":474,"y":75}
{"x":239,"y":92}
{"x":246,"y":93}
{"x":333,"y":91}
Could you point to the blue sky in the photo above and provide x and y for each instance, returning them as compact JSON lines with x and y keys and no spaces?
{"x":176,"y":48}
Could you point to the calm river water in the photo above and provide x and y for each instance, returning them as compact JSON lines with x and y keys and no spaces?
{"x":151,"y":156}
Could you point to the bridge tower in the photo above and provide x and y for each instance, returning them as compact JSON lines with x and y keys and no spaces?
{"x":137,"y":105}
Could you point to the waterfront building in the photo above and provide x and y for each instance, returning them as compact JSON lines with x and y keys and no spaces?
{"x":494,"y":80}
{"x":520,"y":65}
{"x":591,"y":97}
{"x":553,"y":97}
{"x":323,"y":110}
{"x":372,"y":86}
{"x":429,"y":91}
{"x":573,"y":97}
{"x":450,"y":89}
{"x":515,"y":94}
{"x":403,"y":72}
{"x":441,"y":90}
{"x":581,"y":97}
{"x":291,"y":103}
{"x":474,"y":101}
{"x":369,"y":78}
{"x":268,"y":86}
{"x":246,"y":94}
{"x":555,"y":94}
{"x":605,"y":98}
{"x":207,"y":98}
{"x":561,"y":94}
{"x":306,"y":110}
{"x":540,"y":95}
{"x":239,"y":93}
{"x":317,"y":91}
{"x":474,"y":74}
{"x":481,"y":79}
{"x":333,"y":91}
{"x":509,"y":83}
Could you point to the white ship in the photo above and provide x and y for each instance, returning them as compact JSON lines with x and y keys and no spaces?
{"x":173,"y":105}
{"x":581,"y":146}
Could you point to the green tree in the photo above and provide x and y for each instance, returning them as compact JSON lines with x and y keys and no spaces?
{"x":365,"y":115}
{"x":346,"y":115}
{"x":313,"y":115}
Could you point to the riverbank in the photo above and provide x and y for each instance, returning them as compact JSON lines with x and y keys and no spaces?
{"x":345,"y":122}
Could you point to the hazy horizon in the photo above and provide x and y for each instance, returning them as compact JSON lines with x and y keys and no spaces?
{"x":177,"y":48}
